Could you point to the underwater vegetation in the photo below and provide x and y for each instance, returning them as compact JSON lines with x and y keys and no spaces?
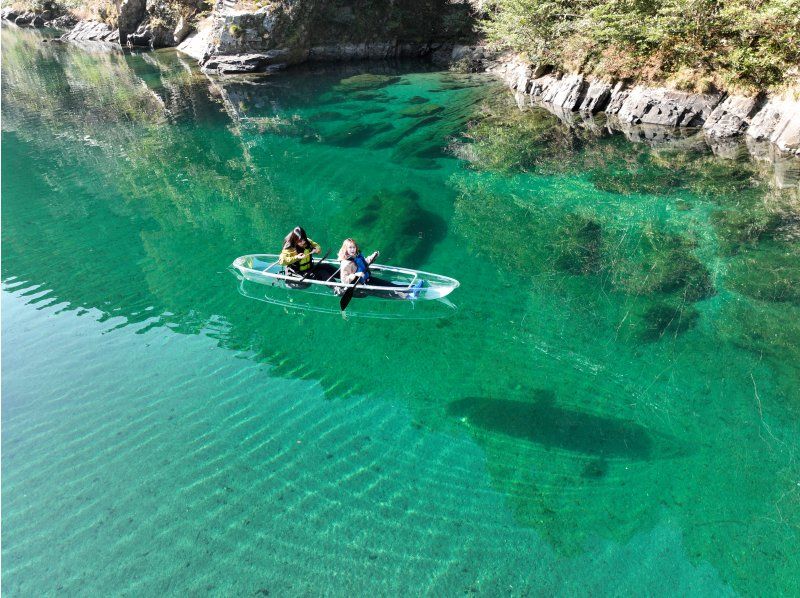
{"x":578,"y":245}
{"x":393,"y":222}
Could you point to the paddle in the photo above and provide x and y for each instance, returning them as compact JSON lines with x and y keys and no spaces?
{"x":314,"y":269}
{"x":348,"y":294}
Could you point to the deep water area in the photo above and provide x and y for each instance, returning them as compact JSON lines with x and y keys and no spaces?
{"x":609,"y":406}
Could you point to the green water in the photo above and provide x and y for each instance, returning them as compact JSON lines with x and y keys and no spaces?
{"x":610,"y":407}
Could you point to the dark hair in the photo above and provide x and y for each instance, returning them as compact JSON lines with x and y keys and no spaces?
{"x":293,"y":237}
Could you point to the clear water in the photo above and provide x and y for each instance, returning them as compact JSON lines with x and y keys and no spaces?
{"x":612,"y":406}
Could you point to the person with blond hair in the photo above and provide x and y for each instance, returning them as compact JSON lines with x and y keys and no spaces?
{"x":353,"y":265}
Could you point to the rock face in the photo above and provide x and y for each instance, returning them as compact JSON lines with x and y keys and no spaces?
{"x":324,"y":31}
{"x":50,"y":17}
{"x":659,"y":106}
{"x":779,"y":122}
{"x":131,"y":14}
{"x":636,"y":110}
{"x":732,"y":116}
{"x":246,"y":63}
{"x":92,"y":31}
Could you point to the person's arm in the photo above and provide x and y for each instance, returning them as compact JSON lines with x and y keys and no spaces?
{"x":287,"y":256}
{"x":371,"y":258}
{"x":315,"y":247}
{"x":347,"y":271}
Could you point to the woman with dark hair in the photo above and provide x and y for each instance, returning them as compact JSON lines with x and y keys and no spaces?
{"x":296,"y":256}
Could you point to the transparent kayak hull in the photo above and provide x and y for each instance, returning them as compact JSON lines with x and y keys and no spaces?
{"x":263,"y":268}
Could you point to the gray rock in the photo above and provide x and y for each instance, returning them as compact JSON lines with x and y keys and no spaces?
{"x":619,"y":93}
{"x":131,"y":14}
{"x":732,"y":116}
{"x":779,"y":122}
{"x":566,"y":92}
{"x":659,"y":106}
{"x":541,"y":86}
{"x":596,"y":98}
{"x":24,"y":19}
{"x":91,"y":31}
{"x":8,"y":14}
{"x":247,"y":63}
{"x":182,"y":29}
{"x":63,"y":22}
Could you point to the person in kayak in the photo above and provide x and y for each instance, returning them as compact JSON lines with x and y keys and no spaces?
{"x":354,"y":265}
{"x":296,"y":256}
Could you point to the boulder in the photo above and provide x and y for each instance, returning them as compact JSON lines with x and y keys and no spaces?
{"x":566,"y":92}
{"x":732,"y":116}
{"x":247,"y":63}
{"x":91,"y":31}
{"x":131,"y":14}
{"x":541,"y":86}
{"x":619,"y":93}
{"x":66,"y":21}
{"x":660,"y":106}
{"x":182,"y":29}
{"x":779,"y":122}
{"x":596,"y":97}
{"x":24,"y":19}
{"x":8,"y":14}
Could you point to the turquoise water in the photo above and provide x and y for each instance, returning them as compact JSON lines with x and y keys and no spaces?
{"x":610,"y":407}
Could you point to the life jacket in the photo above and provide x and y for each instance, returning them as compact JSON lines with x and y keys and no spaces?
{"x":304,"y":265}
{"x":361,"y":265}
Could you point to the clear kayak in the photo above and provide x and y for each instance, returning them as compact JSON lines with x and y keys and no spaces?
{"x":263,"y":268}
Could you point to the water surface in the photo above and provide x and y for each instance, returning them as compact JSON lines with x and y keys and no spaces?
{"x":612,"y":407}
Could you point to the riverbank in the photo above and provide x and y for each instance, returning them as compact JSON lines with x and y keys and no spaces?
{"x":229,"y":41}
{"x":650,"y":113}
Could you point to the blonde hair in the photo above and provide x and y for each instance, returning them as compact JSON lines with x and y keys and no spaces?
{"x":342,"y":255}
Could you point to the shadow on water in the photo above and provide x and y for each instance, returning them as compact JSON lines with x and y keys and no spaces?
{"x":545,"y":423}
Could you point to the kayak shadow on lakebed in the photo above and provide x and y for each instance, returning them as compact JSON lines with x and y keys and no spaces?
{"x":543,"y":422}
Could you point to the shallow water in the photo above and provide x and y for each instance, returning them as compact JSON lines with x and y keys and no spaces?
{"x":610,"y":406}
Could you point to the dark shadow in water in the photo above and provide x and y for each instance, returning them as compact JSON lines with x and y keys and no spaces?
{"x":543,"y":422}
{"x":396,"y":223}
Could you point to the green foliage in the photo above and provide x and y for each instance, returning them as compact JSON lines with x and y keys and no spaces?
{"x":737,"y":42}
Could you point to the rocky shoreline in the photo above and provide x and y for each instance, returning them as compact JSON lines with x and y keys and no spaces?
{"x":261,"y":41}
{"x":720,"y":116}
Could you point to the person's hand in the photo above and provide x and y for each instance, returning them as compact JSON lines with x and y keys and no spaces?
{"x":317,"y":250}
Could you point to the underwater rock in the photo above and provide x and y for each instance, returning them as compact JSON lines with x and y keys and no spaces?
{"x":662,"y":263}
{"x":421,"y":110}
{"x":417,"y":100}
{"x":354,"y":135}
{"x":367,"y":81}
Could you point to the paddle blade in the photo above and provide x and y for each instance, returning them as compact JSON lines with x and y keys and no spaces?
{"x":348,"y":295}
